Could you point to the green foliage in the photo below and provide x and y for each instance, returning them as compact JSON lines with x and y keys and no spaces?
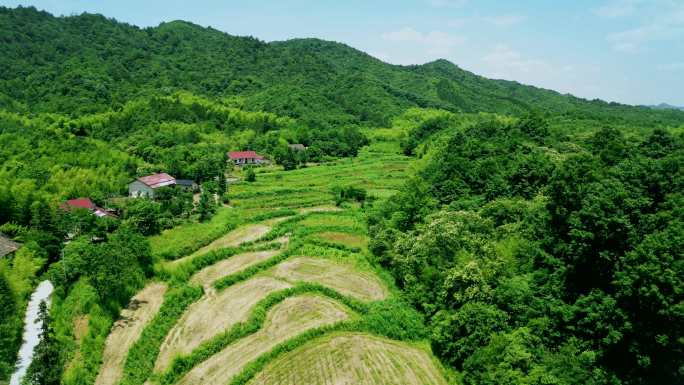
{"x":250,"y":175}
{"x":115,"y":268}
{"x":536,"y":260}
{"x":45,"y":367}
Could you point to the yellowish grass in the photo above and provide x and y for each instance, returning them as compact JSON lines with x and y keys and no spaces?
{"x":214,"y":314}
{"x":207,"y":276}
{"x":342,"y":277}
{"x":234,"y":238}
{"x":352,"y":359}
{"x":143,"y":307}
{"x":291,"y":317}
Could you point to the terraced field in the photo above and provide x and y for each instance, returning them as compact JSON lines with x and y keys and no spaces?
{"x":288,"y":291}
{"x":352,"y":359}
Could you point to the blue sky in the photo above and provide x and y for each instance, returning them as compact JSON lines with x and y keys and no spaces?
{"x":630,"y":51}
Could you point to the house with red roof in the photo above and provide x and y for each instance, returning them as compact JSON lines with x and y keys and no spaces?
{"x":87,"y":204}
{"x":245,"y":157}
{"x":146,"y":185}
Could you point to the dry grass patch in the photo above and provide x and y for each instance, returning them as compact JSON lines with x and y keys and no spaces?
{"x":214,"y":314}
{"x":351,"y":240}
{"x":235,"y":238}
{"x":286,"y":320}
{"x":143,"y":307}
{"x":352,"y":359}
{"x":207,"y":276}
{"x":319,"y":209}
{"x":342,"y":277}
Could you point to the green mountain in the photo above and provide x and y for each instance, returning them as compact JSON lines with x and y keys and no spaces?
{"x":88,"y":63}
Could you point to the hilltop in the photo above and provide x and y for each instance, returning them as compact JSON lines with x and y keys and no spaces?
{"x":89,"y":63}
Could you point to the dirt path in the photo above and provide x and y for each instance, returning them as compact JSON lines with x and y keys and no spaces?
{"x":286,"y":320}
{"x":352,"y":359}
{"x":143,"y":307}
{"x":342,"y":277}
{"x":210,"y":274}
{"x":234,"y":238}
{"x":214,"y":314}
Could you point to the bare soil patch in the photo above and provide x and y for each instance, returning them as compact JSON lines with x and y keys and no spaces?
{"x":352,"y":359}
{"x":142,"y":308}
{"x":345,"y":278}
{"x":213,"y":314}
{"x":286,"y":320}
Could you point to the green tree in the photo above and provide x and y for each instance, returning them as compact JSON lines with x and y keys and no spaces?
{"x":206,"y":205}
{"x":46,"y":366}
{"x":250,"y":175}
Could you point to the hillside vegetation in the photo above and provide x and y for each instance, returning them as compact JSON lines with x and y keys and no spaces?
{"x":439,"y":227}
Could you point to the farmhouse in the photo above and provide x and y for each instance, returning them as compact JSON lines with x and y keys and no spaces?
{"x":87,"y":204}
{"x":245,"y":157}
{"x":145,"y":185}
{"x":7,"y":246}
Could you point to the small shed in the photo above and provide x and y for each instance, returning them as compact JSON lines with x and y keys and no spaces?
{"x":7,"y":246}
{"x":186,"y":185}
{"x":297,"y":147}
{"x":245,"y":157}
{"x":145,"y":185}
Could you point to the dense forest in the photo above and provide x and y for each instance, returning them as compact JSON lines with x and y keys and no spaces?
{"x":536,"y":227}
{"x":542,"y":260}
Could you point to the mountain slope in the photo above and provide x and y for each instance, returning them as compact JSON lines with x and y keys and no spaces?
{"x":89,"y":63}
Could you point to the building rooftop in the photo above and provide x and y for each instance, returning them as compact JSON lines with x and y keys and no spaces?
{"x":7,"y":246}
{"x":244,"y":155}
{"x":158,"y":180}
{"x":79,"y":203}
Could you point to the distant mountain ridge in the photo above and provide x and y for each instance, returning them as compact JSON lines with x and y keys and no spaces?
{"x":89,"y":63}
{"x":665,"y":106}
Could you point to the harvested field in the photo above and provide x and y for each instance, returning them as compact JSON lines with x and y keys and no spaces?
{"x":207,"y":276}
{"x":346,"y":239}
{"x":352,"y":359}
{"x":214,"y":314}
{"x":286,"y":320}
{"x":143,"y":307}
{"x":234,"y":238}
{"x":342,"y":277}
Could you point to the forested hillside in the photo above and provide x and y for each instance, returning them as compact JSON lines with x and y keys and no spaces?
{"x":89,"y":63}
{"x":523,"y":236}
{"x":537,"y":259}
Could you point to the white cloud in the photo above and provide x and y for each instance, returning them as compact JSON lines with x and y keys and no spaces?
{"x":671,"y":67}
{"x":435,"y":42}
{"x":448,"y":3}
{"x":616,"y":9}
{"x":661,"y":21}
{"x":505,"y":20}
{"x":505,"y":62}
{"x":632,"y":40}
